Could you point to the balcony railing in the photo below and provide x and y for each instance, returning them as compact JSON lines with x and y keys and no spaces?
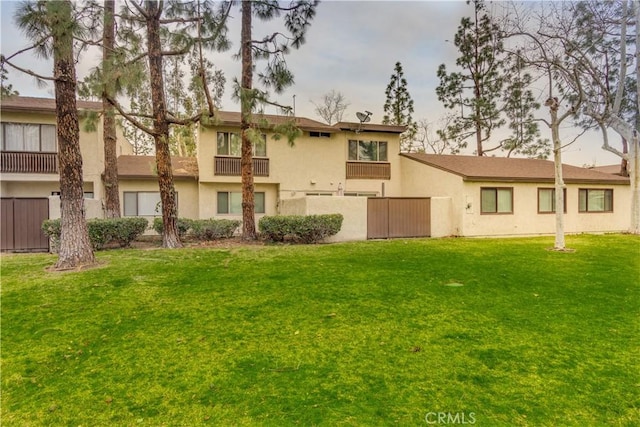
{"x":368,"y":170}
{"x":230,"y":166}
{"x":21,"y":162}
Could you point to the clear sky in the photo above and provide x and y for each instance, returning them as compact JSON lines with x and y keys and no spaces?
{"x":352,"y":47}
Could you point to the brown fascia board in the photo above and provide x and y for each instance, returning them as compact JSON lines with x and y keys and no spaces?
{"x":41,"y":105}
{"x":369,"y":127}
{"x":604,"y":180}
{"x":232,"y":119}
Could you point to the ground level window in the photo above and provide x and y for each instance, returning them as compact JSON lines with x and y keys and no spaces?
{"x":319,"y":194}
{"x":547,"y":200}
{"x":360,"y":194}
{"x":595,"y":200}
{"x":143,"y":203}
{"x":496,"y":200}
{"x":230,"y":202}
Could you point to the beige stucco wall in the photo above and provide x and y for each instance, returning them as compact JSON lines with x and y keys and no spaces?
{"x":353,"y":209}
{"x":526,"y":220}
{"x":419,"y":180}
{"x":93,"y":208}
{"x":34,"y":188}
{"x":464,"y":217}
{"x":311,"y":165}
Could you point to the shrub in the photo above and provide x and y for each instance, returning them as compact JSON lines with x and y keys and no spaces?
{"x":184,"y":224}
{"x":212,"y":229}
{"x":297,"y":228}
{"x":101,"y":231}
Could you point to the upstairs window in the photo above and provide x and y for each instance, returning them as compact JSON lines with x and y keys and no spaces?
{"x":230,"y":144}
{"x":367,"y":151}
{"x":319,"y":134}
{"x":496,"y":200}
{"x":595,"y":200}
{"x":28,"y":137}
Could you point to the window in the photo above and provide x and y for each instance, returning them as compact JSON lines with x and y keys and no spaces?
{"x":496,"y":200}
{"x":368,"y":151}
{"x":29,"y":137}
{"x":595,"y":200}
{"x":231,"y":202}
{"x":319,"y":134}
{"x":318,"y":194}
{"x":361,"y":194}
{"x":143,"y":203}
{"x":230,"y":144}
{"x":547,"y":200}
{"x":86,"y":194}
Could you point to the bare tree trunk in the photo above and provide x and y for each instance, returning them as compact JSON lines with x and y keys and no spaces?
{"x":624,"y":164}
{"x":634,"y":178}
{"x":553,"y":105}
{"x":110,"y":176}
{"x":246,"y":161}
{"x":170,"y":238}
{"x":75,"y":246}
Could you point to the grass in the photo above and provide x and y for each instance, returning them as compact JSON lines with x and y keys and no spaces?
{"x":350,"y":334}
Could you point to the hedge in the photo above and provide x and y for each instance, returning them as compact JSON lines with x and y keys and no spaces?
{"x":101,"y":231}
{"x":298,"y":228}
{"x":212,"y":229}
{"x":184,"y":224}
{"x":202,"y":229}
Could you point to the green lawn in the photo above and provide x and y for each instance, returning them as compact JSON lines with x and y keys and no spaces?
{"x":366,"y":334}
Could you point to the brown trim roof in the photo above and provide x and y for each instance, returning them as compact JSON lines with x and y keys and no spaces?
{"x":229,"y":118}
{"x":40,"y":105}
{"x":369,"y":127}
{"x":612,"y":169}
{"x":502,"y":169}
{"x":145,"y":167}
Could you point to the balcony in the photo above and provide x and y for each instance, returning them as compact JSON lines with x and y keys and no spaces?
{"x":368,"y":170}
{"x":230,"y":166}
{"x":23,"y":162}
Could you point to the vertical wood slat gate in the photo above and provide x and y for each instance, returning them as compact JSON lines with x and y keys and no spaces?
{"x":21,"y":222}
{"x":393,"y":217}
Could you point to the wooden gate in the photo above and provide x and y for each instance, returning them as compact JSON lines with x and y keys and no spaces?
{"x":21,"y":222}
{"x":389,"y":217}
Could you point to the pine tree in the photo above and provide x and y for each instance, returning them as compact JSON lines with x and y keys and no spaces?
{"x":151,"y":32}
{"x":110,"y":176}
{"x":398,"y":108}
{"x":476,"y":89}
{"x":276,"y":76}
{"x":52,"y":26}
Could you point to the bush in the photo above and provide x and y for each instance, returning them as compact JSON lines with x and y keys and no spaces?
{"x":101,"y":231}
{"x":212,"y":229}
{"x":297,"y":228}
{"x":184,"y":224}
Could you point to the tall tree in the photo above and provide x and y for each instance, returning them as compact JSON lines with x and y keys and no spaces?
{"x":272,"y":48}
{"x":540,"y":54}
{"x":52,"y":27}
{"x":110,"y":176}
{"x":607,"y":66}
{"x":398,"y":107}
{"x":170,"y":29}
{"x":331,"y":107}
{"x":482,"y":93}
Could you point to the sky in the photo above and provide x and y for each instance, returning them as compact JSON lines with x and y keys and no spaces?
{"x":352,"y":48}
